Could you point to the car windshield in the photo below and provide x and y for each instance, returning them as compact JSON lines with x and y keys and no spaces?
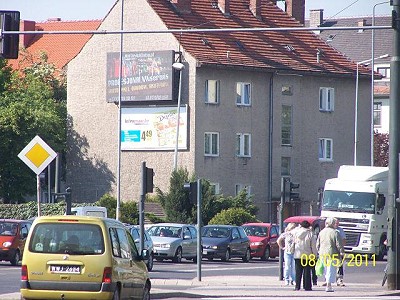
{"x":349,"y":201}
{"x":255,"y":230}
{"x":79,"y":239}
{"x":8,"y":228}
{"x":165,"y":231}
{"x":216,"y":232}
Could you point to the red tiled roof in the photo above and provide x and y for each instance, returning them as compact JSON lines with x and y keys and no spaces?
{"x":264,"y":49}
{"x":382,"y":90}
{"x":60,"y":48}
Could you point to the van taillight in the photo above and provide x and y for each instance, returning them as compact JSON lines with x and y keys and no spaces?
{"x":24,"y":273}
{"x":107,"y":274}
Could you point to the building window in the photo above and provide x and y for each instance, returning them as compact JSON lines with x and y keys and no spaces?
{"x":326,"y":99}
{"x":384,"y":71}
{"x":211,"y":144}
{"x":214,"y":188}
{"x":286,"y":166}
{"x":377,"y":113}
{"x":243,"y":93}
{"x":286,"y":119}
{"x":240,"y":187}
{"x":325,"y":149}
{"x":243,"y":144}
{"x":212,"y":91}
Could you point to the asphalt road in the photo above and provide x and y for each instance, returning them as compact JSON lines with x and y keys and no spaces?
{"x":10,"y":276}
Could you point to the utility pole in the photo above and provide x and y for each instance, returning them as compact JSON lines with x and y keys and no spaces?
{"x":393,"y":189}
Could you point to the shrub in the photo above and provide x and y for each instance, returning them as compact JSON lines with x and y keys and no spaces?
{"x":233,"y":216}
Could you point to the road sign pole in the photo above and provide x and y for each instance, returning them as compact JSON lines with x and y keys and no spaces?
{"x":38,"y":193}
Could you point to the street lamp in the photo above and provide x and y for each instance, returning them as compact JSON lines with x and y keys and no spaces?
{"x":178,"y":66}
{"x":372,"y":79}
{"x":356,"y":105}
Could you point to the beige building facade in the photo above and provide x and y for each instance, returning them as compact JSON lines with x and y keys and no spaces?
{"x":293,"y":123}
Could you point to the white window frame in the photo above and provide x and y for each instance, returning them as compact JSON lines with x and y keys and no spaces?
{"x":243,"y":93}
{"x":240,"y":186}
{"x":325,"y":149}
{"x":378,"y":111}
{"x":287,"y":126}
{"x":243,"y":144}
{"x":326,"y":99}
{"x":209,"y":138}
{"x":211,"y":92}
{"x":215,"y":186}
{"x":286,"y":166}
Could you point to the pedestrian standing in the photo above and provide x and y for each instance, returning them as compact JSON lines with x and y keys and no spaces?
{"x":340,"y":272}
{"x":286,"y":243}
{"x":330,"y":250}
{"x":305,"y":255}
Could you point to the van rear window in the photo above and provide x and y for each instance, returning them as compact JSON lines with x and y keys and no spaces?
{"x":74,"y":239}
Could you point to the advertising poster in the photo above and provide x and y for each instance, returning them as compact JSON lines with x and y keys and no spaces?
{"x":153,"y":128}
{"x":145,"y":77}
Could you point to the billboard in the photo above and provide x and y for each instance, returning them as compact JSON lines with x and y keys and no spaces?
{"x":145,"y":76}
{"x":153,"y":128}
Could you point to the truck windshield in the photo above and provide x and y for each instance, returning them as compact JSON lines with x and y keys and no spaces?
{"x":349,"y":201}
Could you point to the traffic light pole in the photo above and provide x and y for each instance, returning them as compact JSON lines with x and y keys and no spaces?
{"x":394,"y":139}
{"x":199,"y":247}
{"x":284,"y":187}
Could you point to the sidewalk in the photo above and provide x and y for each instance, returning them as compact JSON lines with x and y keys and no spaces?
{"x":257,"y":286}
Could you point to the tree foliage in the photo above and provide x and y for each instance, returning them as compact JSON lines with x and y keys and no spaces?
{"x":233,"y":216}
{"x":31,"y":103}
{"x":128,"y":210}
{"x":381,"y":149}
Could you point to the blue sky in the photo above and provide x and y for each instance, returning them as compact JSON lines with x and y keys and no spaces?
{"x":41,"y":10}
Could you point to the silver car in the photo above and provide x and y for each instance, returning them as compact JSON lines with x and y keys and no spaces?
{"x":148,"y":244}
{"x":174,"y":241}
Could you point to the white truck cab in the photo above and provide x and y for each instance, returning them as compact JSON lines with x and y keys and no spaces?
{"x":93,"y":211}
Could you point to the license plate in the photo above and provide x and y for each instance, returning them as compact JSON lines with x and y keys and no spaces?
{"x":65,"y":269}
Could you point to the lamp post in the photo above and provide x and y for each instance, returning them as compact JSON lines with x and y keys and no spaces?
{"x":356,"y":106}
{"x":178,"y":66}
{"x":372,"y":78}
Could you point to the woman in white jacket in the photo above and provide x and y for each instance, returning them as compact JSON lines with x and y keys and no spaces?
{"x":286,"y":243}
{"x":305,"y":255}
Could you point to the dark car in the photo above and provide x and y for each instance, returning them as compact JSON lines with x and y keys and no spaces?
{"x":225,"y":242}
{"x":148,"y":244}
{"x":263,"y":238}
{"x":317,"y":223}
{"x":13,"y":234}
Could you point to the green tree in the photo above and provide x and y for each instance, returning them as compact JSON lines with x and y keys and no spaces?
{"x":29,"y":106}
{"x":233,"y":216}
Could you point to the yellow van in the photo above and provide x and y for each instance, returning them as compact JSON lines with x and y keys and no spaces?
{"x":79,"y":257}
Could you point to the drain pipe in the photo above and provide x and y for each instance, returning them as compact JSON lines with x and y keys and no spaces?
{"x":270,"y":139}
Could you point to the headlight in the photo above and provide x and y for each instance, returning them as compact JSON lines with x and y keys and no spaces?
{"x":6,"y":244}
{"x":166,"y":246}
{"x":256,"y":244}
{"x":214,"y":247}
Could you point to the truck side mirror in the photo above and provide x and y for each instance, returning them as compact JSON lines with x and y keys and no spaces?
{"x":380,"y":203}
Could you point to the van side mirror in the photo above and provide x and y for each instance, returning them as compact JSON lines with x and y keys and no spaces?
{"x":145,"y":254}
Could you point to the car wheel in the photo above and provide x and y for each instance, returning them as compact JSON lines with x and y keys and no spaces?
{"x":266,"y":254}
{"x":146,"y":292}
{"x":16,"y":258}
{"x":246,"y":257}
{"x":178,"y":255}
{"x":150,"y":262}
{"x":116,"y":294}
{"x":227,"y":255}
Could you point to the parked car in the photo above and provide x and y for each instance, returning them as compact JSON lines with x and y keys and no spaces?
{"x":80,"y":257}
{"x":148,"y":244}
{"x":263,"y":238}
{"x":317,"y":223}
{"x":174,"y":241}
{"x":13,"y":234}
{"x":225,"y":242}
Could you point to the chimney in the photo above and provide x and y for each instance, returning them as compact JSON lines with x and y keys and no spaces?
{"x":316,"y":17}
{"x":25,"y":39}
{"x":182,"y":6}
{"x":361,"y":23}
{"x":255,"y":8}
{"x":296,"y":9}
{"x":224,"y":7}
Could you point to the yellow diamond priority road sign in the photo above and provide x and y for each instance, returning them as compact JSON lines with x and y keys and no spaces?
{"x":37,"y":155}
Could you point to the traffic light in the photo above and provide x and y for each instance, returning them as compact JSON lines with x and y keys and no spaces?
{"x":149,"y":180}
{"x":192,"y":188}
{"x":293,"y":194}
{"x":9,"y":43}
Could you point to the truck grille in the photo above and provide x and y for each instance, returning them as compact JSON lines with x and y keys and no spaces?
{"x":352,"y":239}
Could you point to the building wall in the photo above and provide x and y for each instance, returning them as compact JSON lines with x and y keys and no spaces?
{"x":93,"y":140}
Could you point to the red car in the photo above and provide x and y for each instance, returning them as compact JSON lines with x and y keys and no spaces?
{"x":263,"y":238}
{"x":13,"y":235}
{"x":317,"y":223}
